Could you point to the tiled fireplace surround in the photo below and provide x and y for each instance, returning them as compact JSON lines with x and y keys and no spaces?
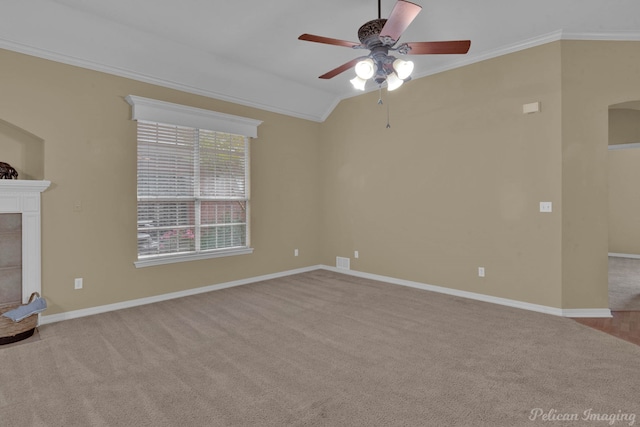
{"x":20,"y":225}
{"x":10,"y":259}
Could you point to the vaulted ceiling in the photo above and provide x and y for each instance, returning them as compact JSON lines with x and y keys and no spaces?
{"x":248,"y":52}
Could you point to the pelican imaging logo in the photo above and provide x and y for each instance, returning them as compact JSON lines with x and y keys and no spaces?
{"x":588,"y":415}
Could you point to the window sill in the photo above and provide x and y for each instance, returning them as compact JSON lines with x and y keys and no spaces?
{"x":170,"y":259}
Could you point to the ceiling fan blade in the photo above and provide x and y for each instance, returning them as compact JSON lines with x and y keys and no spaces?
{"x":402,"y":15}
{"x":327,"y":40}
{"x":442,"y":47}
{"x":341,"y":69}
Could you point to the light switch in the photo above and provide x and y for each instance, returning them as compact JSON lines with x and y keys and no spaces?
{"x":533,"y":107}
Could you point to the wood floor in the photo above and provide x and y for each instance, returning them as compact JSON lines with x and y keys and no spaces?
{"x":624,"y":285}
{"x":623,"y":324}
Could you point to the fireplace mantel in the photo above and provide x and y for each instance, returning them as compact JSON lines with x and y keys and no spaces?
{"x":16,"y":186}
{"x":23,"y":196}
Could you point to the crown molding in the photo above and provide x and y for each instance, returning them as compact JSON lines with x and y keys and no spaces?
{"x":483,"y":56}
{"x":523,"y":45}
{"x":172,"y":84}
{"x":145,"y":78}
{"x":533,"y":42}
{"x":605,"y":36}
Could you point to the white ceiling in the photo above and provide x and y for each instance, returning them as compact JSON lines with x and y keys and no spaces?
{"x":247,"y":51}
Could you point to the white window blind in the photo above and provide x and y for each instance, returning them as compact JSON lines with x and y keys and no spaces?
{"x":193,"y":191}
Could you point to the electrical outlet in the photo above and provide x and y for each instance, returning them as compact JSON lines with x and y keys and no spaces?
{"x":295,"y":252}
{"x":77,"y":283}
{"x":356,"y":254}
{"x":480,"y":271}
{"x":546,"y":207}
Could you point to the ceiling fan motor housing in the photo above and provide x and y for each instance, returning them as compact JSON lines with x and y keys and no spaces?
{"x":369,"y":33}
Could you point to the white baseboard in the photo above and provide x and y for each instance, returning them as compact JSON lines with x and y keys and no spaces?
{"x":589,"y":312}
{"x":617,"y":255}
{"x":164,"y":297}
{"x":586,"y":312}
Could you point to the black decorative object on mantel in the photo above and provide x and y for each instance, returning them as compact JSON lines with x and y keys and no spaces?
{"x":7,"y":172}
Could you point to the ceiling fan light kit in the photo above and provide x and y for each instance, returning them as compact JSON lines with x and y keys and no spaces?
{"x":365,"y":69}
{"x":393,"y":82}
{"x":403,"y":68}
{"x":358,"y":83}
{"x":380,"y":36}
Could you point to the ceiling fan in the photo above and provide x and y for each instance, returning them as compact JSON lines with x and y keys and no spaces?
{"x":380,"y":36}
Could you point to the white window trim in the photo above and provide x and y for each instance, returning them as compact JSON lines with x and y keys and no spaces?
{"x":170,"y":259}
{"x":182,"y":115}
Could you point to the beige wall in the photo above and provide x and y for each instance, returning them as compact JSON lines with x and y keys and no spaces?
{"x":456,"y":182}
{"x":453,"y":185}
{"x":595,"y":75}
{"x":624,"y":176}
{"x":90,"y":156}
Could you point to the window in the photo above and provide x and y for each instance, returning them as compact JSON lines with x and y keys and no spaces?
{"x":192,"y":181}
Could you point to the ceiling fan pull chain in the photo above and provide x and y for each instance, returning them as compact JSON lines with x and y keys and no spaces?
{"x":388,"y":121}
{"x":382,"y":103}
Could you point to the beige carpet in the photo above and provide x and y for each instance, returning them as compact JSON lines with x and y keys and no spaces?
{"x":319,"y":349}
{"x":624,"y":284}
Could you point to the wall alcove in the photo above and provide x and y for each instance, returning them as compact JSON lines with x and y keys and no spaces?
{"x":22,"y":150}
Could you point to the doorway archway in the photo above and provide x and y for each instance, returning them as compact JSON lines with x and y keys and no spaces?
{"x":624,"y":206}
